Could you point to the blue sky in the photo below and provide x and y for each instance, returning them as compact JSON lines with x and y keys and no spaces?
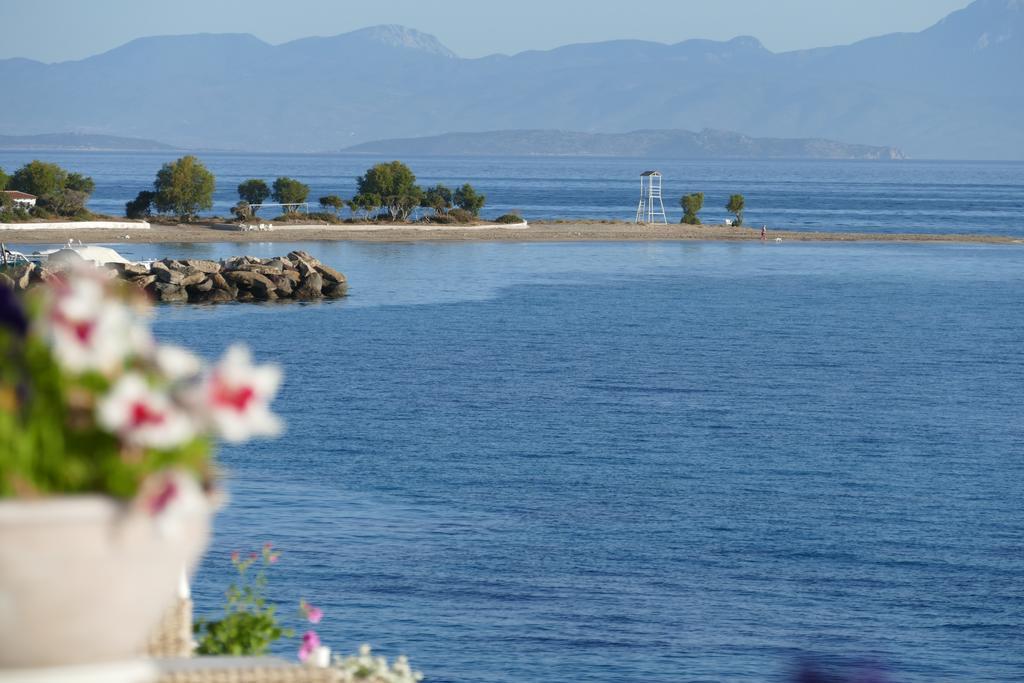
{"x":57,"y":30}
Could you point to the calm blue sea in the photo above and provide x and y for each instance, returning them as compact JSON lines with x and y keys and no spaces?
{"x":909,"y":196}
{"x":654,"y":462}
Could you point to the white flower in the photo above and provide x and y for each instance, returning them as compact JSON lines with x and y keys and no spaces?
{"x":365,"y":667}
{"x":320,"y":657}
{"x":236,"y":396}
{"x":90,"y":331}
{"x":143,"y":416}
{"x":176,"y":363}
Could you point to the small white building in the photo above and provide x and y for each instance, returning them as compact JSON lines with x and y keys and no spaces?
{"x":22,"y":200}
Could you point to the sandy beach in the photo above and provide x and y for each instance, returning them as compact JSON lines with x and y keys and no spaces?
{"x":541,"y":231}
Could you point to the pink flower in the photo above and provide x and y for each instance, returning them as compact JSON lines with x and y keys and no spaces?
{"x":310,"y":642}
{"x":236,"y":397}
{"x":314,"y":614}
{"x":273,"y":558}
{"x":143,"y":416}
{"x":235,"y":556}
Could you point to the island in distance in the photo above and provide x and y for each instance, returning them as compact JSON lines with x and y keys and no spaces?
{"x":81,"y":142}
{"x":663,"y":144}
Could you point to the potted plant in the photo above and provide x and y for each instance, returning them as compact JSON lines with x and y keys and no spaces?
{"x":106,"y":468}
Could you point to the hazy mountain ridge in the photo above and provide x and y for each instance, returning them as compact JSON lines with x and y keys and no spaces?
{"x":665,"y":144}
{"x":81,"y":141}
{"x":948,"y":91}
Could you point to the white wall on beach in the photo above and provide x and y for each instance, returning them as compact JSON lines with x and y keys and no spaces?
{"x":77,"y":225}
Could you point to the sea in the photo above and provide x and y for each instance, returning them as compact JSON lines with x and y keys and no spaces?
{"x":647,"y":461}
{"x":863,"y":196}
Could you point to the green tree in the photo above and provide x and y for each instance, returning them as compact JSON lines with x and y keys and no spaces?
{"x":57,"y":190}
{"x":395,"y":184}
{"x":438,"y":198}
{"x":39,"y":178}
{"x":735,"y":207}
{"x":367,"y":202}
{"x":466,"y":198}
{"x":184,"y":188}
{"x":290,"y":191}
{"x":3,"y":180}
{"x":141,"y":206}
{"x":253,"y":191}
{"x":692,"y":204}
{"x":332,"y":202}
{"x":80,"y":183}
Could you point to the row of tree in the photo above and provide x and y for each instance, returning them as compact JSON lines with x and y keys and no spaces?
{"x":388,"y":187}
{"x":693,"y":203}
{"x":57,"y":191}
{"x":185,"y":187}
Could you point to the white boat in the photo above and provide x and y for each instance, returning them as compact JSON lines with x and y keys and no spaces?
{"x":71,"y":252}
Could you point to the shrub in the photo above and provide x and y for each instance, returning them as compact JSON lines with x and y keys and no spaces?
{"x":439,"y":219}
{"x":735,"y":206}
{"x":461,"y":216}
{"x":250,"y":625}
{"x":141,"y":206}
{"x":509,"y":218}
{"x":468,"y":199}
{"x":691,"y":203}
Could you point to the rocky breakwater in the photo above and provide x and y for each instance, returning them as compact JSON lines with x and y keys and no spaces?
{"x":297,"y":276}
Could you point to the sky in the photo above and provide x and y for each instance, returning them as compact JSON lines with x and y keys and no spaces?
{"x":59,"y":30}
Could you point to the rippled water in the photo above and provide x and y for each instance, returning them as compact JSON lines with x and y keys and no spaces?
{"x":909,"y":196}
{"x":642,"y":462}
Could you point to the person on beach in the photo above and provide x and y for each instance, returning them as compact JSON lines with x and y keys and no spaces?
{"x":764,"y":232}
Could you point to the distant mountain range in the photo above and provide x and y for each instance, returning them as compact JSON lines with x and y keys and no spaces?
{"x":81,"y":141}
{"x":950,"y":91}
{"x":659,"y":144}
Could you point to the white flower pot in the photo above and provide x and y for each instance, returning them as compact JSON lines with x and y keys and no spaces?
{"x":85,"y":579}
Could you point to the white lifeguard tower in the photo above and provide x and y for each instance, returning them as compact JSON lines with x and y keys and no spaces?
{"x":651,"y":206}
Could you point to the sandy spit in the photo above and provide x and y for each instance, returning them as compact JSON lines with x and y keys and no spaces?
{"x":543,"y":231}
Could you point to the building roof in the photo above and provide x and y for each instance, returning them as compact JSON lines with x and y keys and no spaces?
{"x":15,"y":194}
{"x":651,"y":173}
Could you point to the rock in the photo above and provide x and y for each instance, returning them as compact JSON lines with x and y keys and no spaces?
{"x":21,"y":275}
{"x":6,"y":281}
{"x":129,"y":269}
{"x":143,"y":281}
{"x":220,"y":283}
{"x":40,"y":275}
{"x":311,"y":287}
{"x":193,"y":278}
{"x":169,"y":293}
{"x":214,"y":296}
{"x":292,"y":275}
{"x":164,"y":273}
{"x":296,"y":256}
{"x":284,"y":285}
{"x":203,"y":266}
{"x":237,"y":263}
{"x":205,"y":285}
{"x":260,"y":286}
{"x":329,"y":274}
{"x":335,"y":290}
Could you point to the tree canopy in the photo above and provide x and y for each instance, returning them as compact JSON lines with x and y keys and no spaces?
{"x":290,"y":191}
{"x":253,"y":191}
{"x":468,"y":199}
{"x":141,"y":206}
{"x":183,"y":187}
{"x":3,"y":179}
{"x":395,"y":184}
{"x":56,"y":189}
{"x":735,"y":206}
{"x":692,"y":204}
{"x":438,"y":198}
{"x":332,"y":202}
